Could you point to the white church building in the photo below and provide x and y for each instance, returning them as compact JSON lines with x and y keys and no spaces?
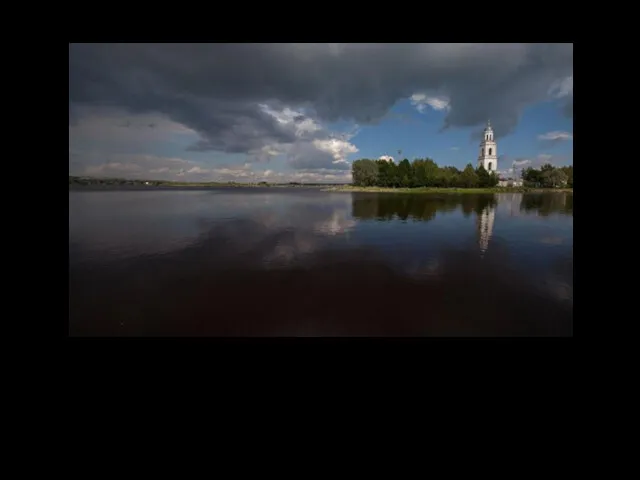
{"x":488,"y":157}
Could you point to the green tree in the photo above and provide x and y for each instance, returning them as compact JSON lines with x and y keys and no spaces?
{"x":419,"y":173}
{"x":468,"y":178}
{"x":447,"y":177}
{"x":554,"y":178}
{"x":425,"y":172}
{"x":384,"y":179}
{"x":532,"y":176}
{"x":484,"y":177}
{"x":392,"y":172}
{"x":569,"y":173}
{"x":405,"y":173}
{"x":493,"y":179}
{"x":547,"y":167}
{"x":431,"y":171}
{"x":364,"y":172}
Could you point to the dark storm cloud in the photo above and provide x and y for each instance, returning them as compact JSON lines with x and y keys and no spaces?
{"x":216,"y":89}
{"x":73,"y":114}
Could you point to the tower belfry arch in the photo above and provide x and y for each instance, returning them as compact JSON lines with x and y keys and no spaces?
{"x":488,"y":156}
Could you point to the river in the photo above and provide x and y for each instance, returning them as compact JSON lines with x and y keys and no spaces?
{"x":303,"y":262}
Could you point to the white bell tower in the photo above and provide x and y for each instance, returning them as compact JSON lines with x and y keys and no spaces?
{"x":488,"y":157}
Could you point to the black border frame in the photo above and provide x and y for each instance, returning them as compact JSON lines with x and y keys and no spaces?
{"x":128,"y":29}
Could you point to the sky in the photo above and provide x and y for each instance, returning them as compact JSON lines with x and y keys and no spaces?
{"x":303,"y":112}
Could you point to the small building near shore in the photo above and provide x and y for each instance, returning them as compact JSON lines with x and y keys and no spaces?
{"x":509,"y":182}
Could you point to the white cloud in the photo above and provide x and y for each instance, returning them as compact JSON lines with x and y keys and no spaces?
{"x":538,"y":161}
{"x":268,"y":151}
{"x":169,"y":168}
{"x":337,"y":148}
{"x":338,"y":176}
{"x":198,"y":169}
{"x":95,"y":158}
{"x":303,"y":124}
{"x":113,"y":168}
{"x":421,"y":101}
{"x":455,"y":148}
{"x":231,"y":171}
{"x":520,"y":163}
{"x":231,"y":174}
{"x":388,"y":158}
{"x":138,"y":166}
{"x":555,"y":136}
{"x":312,"y":135}
{"x":562,"y":88}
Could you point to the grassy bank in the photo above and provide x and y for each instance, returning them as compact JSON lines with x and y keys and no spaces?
{"x":350,"y":188}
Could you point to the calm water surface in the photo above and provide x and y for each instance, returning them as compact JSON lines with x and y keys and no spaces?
{"x":298,"y":262}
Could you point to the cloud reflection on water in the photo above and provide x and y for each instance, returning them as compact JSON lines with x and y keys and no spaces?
{"x":264,"y":263}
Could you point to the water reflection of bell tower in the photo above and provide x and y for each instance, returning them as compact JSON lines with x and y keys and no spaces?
{"x":485,"y":227}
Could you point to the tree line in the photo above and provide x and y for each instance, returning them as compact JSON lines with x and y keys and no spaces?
{"x":75,"y":180}
{"x":548,"y":176}
{"x":422,"y":172}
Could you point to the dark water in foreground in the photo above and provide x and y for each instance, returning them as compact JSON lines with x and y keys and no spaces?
{"x":280,"y":262}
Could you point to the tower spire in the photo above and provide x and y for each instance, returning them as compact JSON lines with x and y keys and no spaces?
{"x":488,"y":122}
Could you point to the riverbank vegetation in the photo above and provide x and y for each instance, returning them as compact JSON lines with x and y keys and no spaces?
{"x":351,"y":188}
{"x":548,"y":176}
{"x":426,"y":175}
{"x":419,"y":173}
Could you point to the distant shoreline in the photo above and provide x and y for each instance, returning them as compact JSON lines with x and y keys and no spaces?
{"x":111,"y":183}
{"x":120,"y":186}
{"x":87,"y":183}
{"x":350,"y":188}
